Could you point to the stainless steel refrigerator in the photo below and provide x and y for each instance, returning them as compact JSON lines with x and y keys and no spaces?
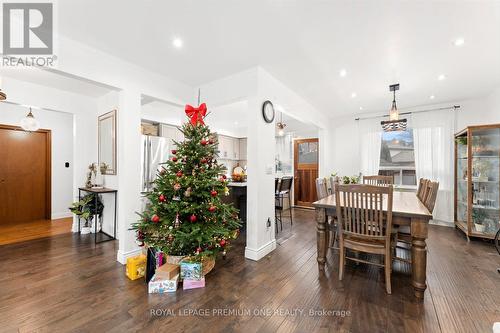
{"x":154,"y":152}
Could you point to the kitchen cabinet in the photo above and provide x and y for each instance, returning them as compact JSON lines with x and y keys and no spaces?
{"x":229,"y":148}
{"x":236,"y":148}
{"x":243,"y":149}
{"x":172,"y":133}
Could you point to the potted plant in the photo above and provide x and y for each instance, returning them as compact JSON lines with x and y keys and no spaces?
{"x":86,"y":209}
{"x":478,"y":216}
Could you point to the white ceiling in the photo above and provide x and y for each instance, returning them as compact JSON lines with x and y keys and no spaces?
{"x":56,"y":80}
{"x":305,"y":44}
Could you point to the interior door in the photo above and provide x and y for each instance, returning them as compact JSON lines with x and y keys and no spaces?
{"x":24,"y":175}
{"x":305,"y":155}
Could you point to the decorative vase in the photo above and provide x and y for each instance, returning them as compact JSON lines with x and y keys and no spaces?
{"x":85,"y":230}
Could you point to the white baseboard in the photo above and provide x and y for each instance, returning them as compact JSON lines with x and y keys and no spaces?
{"x":60,"y":215}
{"x":257,"y":254}
{"x":121,"y":256}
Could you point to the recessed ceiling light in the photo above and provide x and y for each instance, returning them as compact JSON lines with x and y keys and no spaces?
{"x":459,"y":42}
{"x":343,"y":73}
{"x":353,"y":95}
{"x":177,"y":42}
{"x":441,"y":77}
{"x":360,"y":108}
{"x":432,"y":96}
{"x":236,"y":123}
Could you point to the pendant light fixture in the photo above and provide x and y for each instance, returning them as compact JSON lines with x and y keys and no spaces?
{"x":281,"y":125}
{"x":29,"y":123}
{"x":394,"y":123}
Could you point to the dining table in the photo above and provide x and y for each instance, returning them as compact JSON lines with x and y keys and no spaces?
{"x":407,"y":210}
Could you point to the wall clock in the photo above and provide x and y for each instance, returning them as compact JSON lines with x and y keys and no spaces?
{"x":268,"y":111}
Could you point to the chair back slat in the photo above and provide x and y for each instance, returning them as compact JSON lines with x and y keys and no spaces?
{"x":378,"y":180}
{"x":361,"y":210}
{"x":321,"y":188}
{"x":425,"y":190}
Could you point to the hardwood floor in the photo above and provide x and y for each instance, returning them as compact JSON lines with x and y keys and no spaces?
{"x":65,"y":283}
{"x":20,"y":232}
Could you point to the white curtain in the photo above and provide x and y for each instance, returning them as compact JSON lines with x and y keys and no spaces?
{"x":433,"y":142}
{"x":370,"y":134}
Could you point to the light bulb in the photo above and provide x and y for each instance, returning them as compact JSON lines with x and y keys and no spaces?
{"x":29,"y":123}
{"x":281,"y":132}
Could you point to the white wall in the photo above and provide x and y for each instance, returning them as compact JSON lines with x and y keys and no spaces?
{"x":61,"y":126}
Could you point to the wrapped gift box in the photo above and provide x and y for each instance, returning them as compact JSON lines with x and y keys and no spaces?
{"x":192,"y":284}
{"x":136,"y":267}
{"x":160,"y":286}
{"x":167,"y":271}
{"x":191,"y":270}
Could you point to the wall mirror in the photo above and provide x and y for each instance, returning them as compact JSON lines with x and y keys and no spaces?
{"x":107,"y":141}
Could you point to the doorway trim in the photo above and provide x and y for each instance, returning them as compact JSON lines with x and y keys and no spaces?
{"x":48,"y":165}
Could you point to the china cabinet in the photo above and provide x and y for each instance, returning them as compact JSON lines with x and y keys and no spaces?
{"x":477,"y":175}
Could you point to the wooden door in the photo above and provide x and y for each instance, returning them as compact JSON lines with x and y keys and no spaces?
{"x":305,"y":155}
{"x":25,"y":183}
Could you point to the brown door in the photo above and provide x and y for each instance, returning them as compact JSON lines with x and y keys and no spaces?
{"x":24,"y":175}
{"x":306,"y":171}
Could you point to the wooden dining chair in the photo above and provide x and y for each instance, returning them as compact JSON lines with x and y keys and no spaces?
{"x":431,"y":195}
{"x":363,"y":224}
{"x":422,"y":194}
{"x":403,"y":232}
{"x":378,"y":180}
{"x":322,"y":191}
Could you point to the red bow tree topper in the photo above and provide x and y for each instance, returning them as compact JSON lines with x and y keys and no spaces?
{"x":196,"y":114}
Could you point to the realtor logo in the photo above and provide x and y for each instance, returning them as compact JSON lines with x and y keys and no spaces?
{"x":27,"y":28}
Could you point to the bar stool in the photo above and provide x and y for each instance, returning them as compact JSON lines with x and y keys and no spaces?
{"x":283,"y":192}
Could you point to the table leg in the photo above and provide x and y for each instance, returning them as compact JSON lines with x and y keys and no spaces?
{"x":419,"y":256}
{"x":321,"y":236}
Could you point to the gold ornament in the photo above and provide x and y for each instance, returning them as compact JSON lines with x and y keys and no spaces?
{"x":188,"y":191}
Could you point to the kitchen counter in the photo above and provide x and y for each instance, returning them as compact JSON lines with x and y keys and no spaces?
{"x":237,"y":184}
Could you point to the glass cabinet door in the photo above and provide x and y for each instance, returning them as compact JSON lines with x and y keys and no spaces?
{"x":462,"y":180}
{"x":485,"y":176}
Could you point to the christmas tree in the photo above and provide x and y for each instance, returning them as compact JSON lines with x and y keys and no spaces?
{"x":185,"y":215}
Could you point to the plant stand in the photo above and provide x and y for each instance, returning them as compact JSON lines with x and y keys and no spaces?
{"x":96,"y":192}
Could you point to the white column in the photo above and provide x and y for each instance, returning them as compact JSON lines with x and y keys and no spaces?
{"x":261,"y":145}
{"x":129,"y":170}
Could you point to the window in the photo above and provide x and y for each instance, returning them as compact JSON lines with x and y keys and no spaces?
{"x":397,"y":157}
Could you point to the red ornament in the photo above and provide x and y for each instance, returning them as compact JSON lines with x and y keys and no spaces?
{"x":224,"y":177}
{"x":174,"y":159}
{"x":213,"y":193}
{"x":212,"y":209}
{"x":211,"y":141}
{"x":179,"y":174}
{"x":162,"y":198}
{"x":193,"y":218}
{"x":203,"y":142}
{"x":155,"y":219}
{"x":198,"y":249}
{"x":222,"y":242}
{"x":174,"y":151}
{"x":203,"y":160}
